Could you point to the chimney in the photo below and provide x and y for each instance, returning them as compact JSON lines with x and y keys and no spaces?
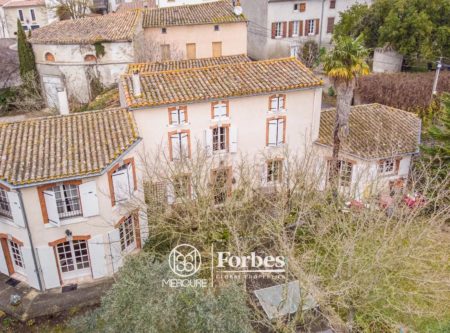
{"x":136,"y":79}
{"x":63,"y":102}
{"x":237,"y":9}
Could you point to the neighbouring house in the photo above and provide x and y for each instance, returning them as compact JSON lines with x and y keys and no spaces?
{"x":32,"y":14}
{"x":171,"y":3}
{"x":133,"y":5}
{"x":85,"y":55}
{"x":253,"y":109}
{"x":278,"y":28}
{"x":204,"y":30}
{"x":376,"y":156}
{"x":65,"y":183}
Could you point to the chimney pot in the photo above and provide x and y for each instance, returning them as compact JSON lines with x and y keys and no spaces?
{"x":136,"y":79}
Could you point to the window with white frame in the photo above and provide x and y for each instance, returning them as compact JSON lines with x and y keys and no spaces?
{"x":277,"y":103}
{"x":177,"y":116}
{"x":20,"y":13}
{"x":33,"y":15}
{"x":220,"y":111}
{"x":16,"y":255}
{"x":5,"y":208}
{"x":310,"y":27}
{"x":127,"y":235}
{"x":344,"y":169}
{"x":274,"y":170}
{"x":278,"y":29}
{"x":219,"y":138}
{"x":67,"y":200}
{"x":73,"y":256}
{"x":275,"y":135}
{"x":295,"y":28}
{"x":386,"y":166}
{"x":179,"y":145}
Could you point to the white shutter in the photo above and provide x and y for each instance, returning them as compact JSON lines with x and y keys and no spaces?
{"x":274,"y":104}
{"x":184,"y":145}
{"x":233,"y":139}
{"x":130,"y":178}
{"x":143,"y":226}
{"x":49,"y":268}
{"x":52,"y":209}
{"x":174,"y":117}
{"x":30,"y":268}
{"x":208,"y":141}
{"x":116,"y":252}
{"x":3,"y":266}
{"x":170,"y":194}
{"x":182,"y":116}
{"x":280,"y":132}
{"x":98,"y":257}
{"x":120,"y":183}
{"x":175,"y":146}
{"x":16,"y":209}
{"x":273,"y":133}
{"x":89,"y":200}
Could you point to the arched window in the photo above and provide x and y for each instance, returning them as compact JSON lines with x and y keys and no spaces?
{"x":90,"y":58}
{"x":49,"y":57}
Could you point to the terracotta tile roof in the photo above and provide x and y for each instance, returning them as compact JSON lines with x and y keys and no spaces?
{"x":126,"y":6}
{"x":376,"y":131}
{"x":222,"y":81}
{"x":206,"y":13}
{"x":185,"y":64}
{"x":53,"y":148}
{"x":88,"y":30}
{"x":22,"y":3}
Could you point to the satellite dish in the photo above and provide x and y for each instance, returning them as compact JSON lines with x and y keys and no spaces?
{"x":238,"y":10}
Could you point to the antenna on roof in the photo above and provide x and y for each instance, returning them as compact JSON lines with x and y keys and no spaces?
{"x":237,"y":7}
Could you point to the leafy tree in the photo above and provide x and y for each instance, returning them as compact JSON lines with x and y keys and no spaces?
{"x":138,"y":302}
{"x":26,"y":55}
{"x":344,"y":64}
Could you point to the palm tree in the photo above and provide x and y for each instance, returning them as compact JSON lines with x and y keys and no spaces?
{"x":343,"y":65}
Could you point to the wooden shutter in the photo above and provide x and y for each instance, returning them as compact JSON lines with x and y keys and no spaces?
{"x":49,"y":268}
{"x":97,"y":255}
{"x":283,"y":101}
{"x":208,"y":142}
{"x":280,"y":131}
{"x":397,"y":165}
{"x":89,"y":201}
{"x":217,"y":49}
{"x":3,"y":265}
{"x":191,"y":52}
{"x":52,"y":209}
{"x":317,"y":26}
{"x":332,"y":4}
{"x":233,"y":139}
{"x":175,"y":147}
{"x":291,"y":28}
{"x":121,"y":185}
{"x":16,"y":209}
{"x":115,"y":248}
{"x":300,"y":28}
{"x":302,"y":7}
{"x":184,"y":145}
{"x":30,"y":267}
{"x":284,"y":29}
{"x":274,"y":30}
{"x":272,"y":133}
{"x":330,"y":25}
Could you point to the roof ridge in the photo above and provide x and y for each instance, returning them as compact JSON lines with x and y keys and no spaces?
{"x":195,"y":69}
{"x":184,"y":60}
{"x":187,"y":5}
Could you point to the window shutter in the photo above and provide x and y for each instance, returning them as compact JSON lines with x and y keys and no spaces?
{"x":182,"y":116}
{"x":208,"y":141}
{"x":143,"y":226}
{"x":272,"y":136}
{"x":280,"y":132}
{"x":317,"y":26}
{"x":274,"y":103}
{"x":30,"y":268}
{"x":116,"y":251}
{"x":170,"y":194}
{"x":3,"y":265}
{"x":121,"y":187}
{"x":48,"y":266}
{"x":89,"y":200}
{"x":284,"y":29}
{"x":282,"y":102}
{"x":52,"y":209}
{"x":291,"y":28}
{"x":174,"y":117}
{"x":98,"y":257}
{"x":307,"y":27}
{"x":130,"y":178}
{"x":330,"y":25}
{"x":233,"y":139}
{"x":302,"y":7}
{"x":184,"y":145}
{"x":16,"y":209}
{"x":175,"y":143}
{"x":300,"y":28}
{"x":274,"y":30}
{"x":397,"y":164}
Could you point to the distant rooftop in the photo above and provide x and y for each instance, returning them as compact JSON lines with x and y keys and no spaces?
{"x":221,"y":81}
{"x":88,"y":30}
{"x":21,"y":3}
{"x":146,"y":67}
{"x":138,"y":4}
{"x":52,"y":148}
{"x":206,"y":13}
{"x":376,"y":131}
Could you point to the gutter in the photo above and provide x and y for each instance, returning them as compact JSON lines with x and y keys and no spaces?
{"x":96,"y":174}
{"x":321,"y":24}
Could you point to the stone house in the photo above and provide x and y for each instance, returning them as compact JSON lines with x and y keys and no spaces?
{"x":83,"y":55}
{"x":277,"y":28}
{"x":376,"y":156}
{"x":31,"y":13}
{"x":65,"y":182}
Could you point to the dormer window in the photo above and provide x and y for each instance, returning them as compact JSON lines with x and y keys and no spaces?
{"x":90,"y":58}
{"x":49,"y":57}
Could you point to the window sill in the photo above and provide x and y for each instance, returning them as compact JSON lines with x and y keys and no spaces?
{"x":8,"y":221}
{"x":65,"y":222}
{"x":277,"y":146}
{"x":281,"y":111}
{"x":220,"y":120}
{"x":178,"y":125}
